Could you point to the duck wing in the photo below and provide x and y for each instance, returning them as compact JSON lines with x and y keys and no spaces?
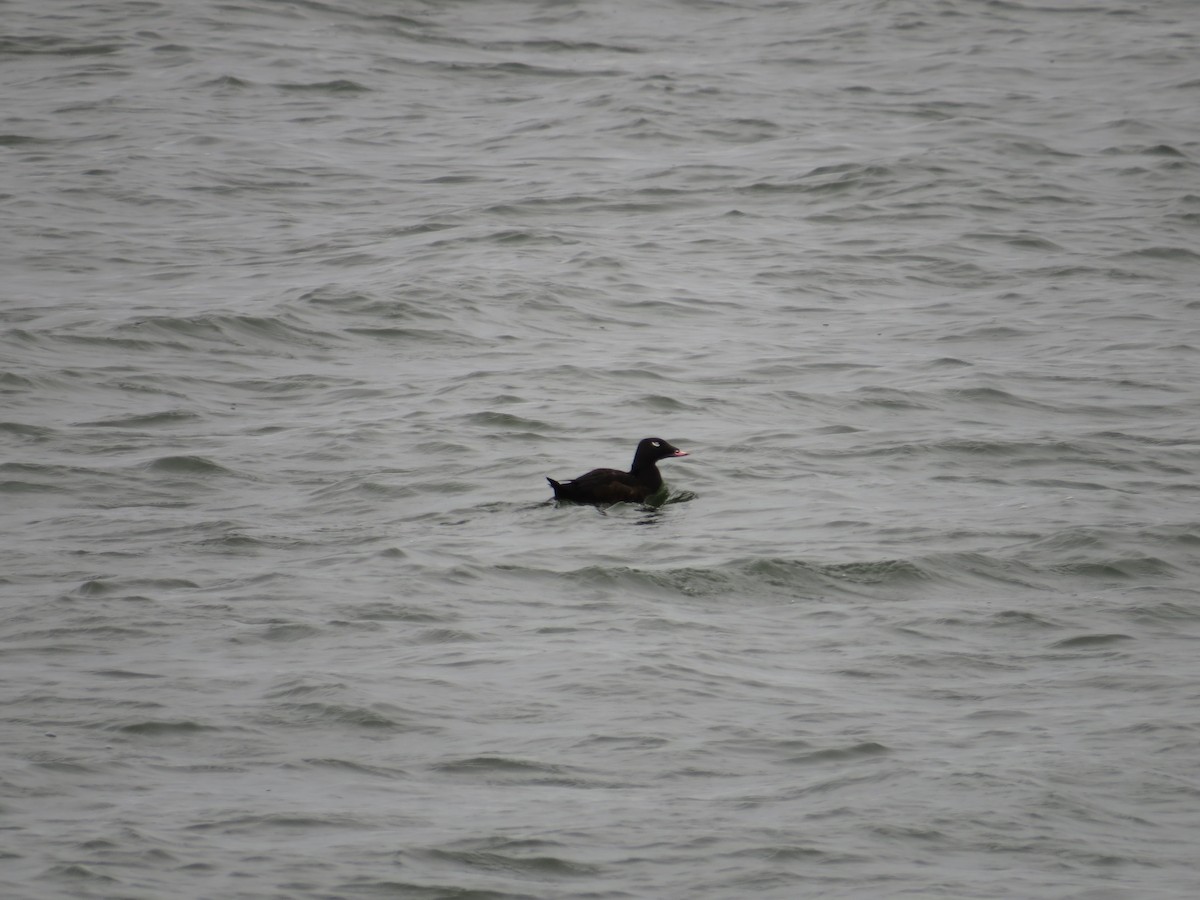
{"x":601,"y":486}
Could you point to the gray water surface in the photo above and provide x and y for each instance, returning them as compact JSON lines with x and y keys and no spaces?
{"x":302,"y":301}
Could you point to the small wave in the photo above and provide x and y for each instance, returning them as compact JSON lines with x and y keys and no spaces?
{"x":160,"y":728}
{"x":37,"y":44}
{"x":257,"y":824}
{"x":31,"y":487}
{"x":442,"y":636}
{"x":1084,"y":641}
{"x":865,"y":750}
{"x":497,"y":765}
{"x":525,"y":70}
{"x":355,"y":768}
{"x":415,"y":336}
{"x":126,"y":673}
{"x":337,"y":86}
{"x":104,"y":587}
{"x":283,"y":633}
{"x":507,"y":421}
{"x":187,"y":465}
{"x":792,"y":579}
{"x":234,"y":331}
{"x":1121,"y":569}
{"x":21,"y":140}
{"x":305,"y":715}
{"x":889,"y":398}
{"x":530,"y":867}
{"x":145,"y":420}
{"x":1173,"y":254}
{"x":1011,"y":617}
{"x":226,"y":81}
{"x":1076,"y":556}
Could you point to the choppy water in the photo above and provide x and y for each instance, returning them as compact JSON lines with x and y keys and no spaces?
{"x":302,"y":301}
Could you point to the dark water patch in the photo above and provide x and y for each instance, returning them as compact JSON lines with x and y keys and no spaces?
{"x":12,"y":383}
{"x":383,"y":611}
{"x":145,"y":420}
{"x":226,"y":82}
{"x":407,"y":303}
{"x":1152,"y":150}
{"x":117,"y":346}
{"x":986,"y":396}
{"x":561,"y":45}
{"x":1022,"y":618}
{"x":236,"y":542}
{"x":1071,"y":539}
{"x":1103,"y":553}
{"x":126,"y":673}
{"x":985,"y":333}
{"x":254,"y":824}
{"x":528,"y":71}
{"x":500,"y":421}
{"x":1167,"y":612}
{"x":1021,"y":240}
{"x":987,"y":715}
{"x":865,"y":750}
{"x":13,"y":486}
{"x":688,"y":582}
{"x":280,"y":633}
{"x":785,"y":572}
{"x":308,"y":715}
{"x":537,"y":868}
{"x":302,"y":386}
{"x":796,"y":579}
{"x":1169,"y":254}
{"x":56,"y":45}
{"x":108,"y":587}
{"x":356,"y":768}
{"x":162,"y":728}
{"x":418,"y":336}
{"x":864,"y":674}
{"x":507,"y":238}
{"x":441,"y":636}
{"x":890,"y":398}
{"x":1069,"y":485}
{"x":229,"y":332}
{"x":78,"y":875}
{"x":1118,"y":570}
{"x":300,"y":687}
{"x":661,"y":403}
{"x":442,"y":448}
{"x":948,"y":569}
{"x":1087,"y":641}
{"x":21,"y":140}
{"x":62,"y":765}
{"x":24,"y":431}
{"x":1015,"y":455}
{"x":499,"y":766}
{"x":1186,"y":443}
{"x":189,"y":465}
{"x":336,"y":86}
{"x":409,"y":890}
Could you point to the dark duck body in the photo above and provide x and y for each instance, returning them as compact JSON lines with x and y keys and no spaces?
{"x":614,"y":486}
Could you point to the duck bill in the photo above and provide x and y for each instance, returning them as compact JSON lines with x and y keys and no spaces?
{"x":680,"y":453}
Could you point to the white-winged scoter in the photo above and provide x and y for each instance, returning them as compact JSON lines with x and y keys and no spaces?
{"x":613,"y":486}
